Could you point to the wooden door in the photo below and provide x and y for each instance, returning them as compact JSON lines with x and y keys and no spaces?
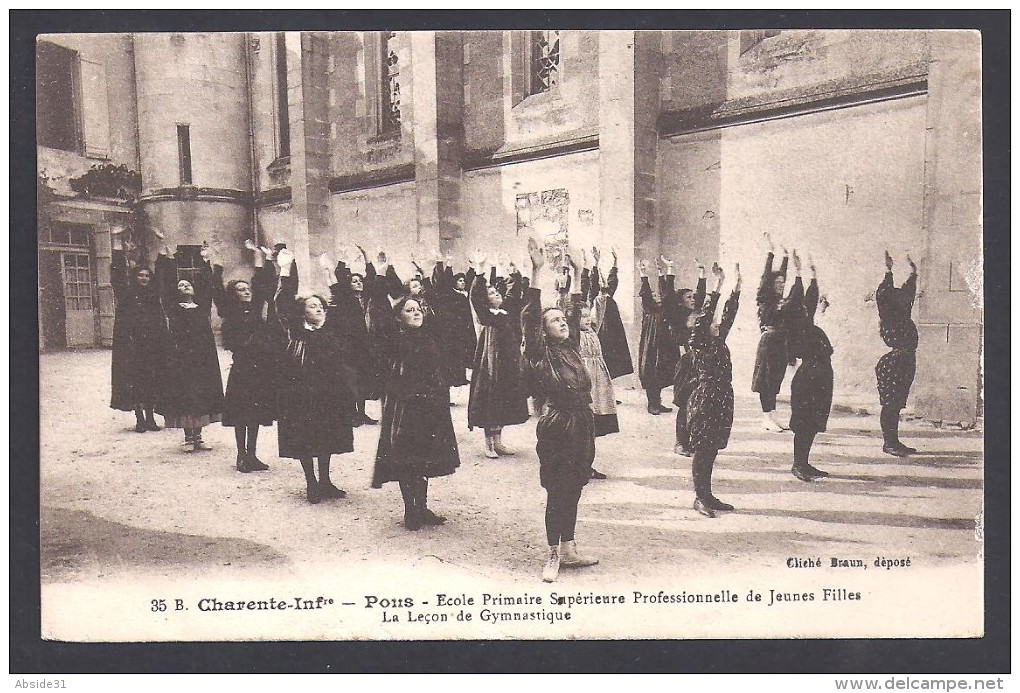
{"x":79,"y":299}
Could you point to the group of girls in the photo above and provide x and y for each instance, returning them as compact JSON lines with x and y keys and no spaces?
{"x":309,"y":363}
{"x":678,"y":332}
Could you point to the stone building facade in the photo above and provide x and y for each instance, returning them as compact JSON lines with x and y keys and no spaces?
{"x":684,"y":143}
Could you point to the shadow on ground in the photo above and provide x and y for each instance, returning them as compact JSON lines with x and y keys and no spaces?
{"x":71,"y":540}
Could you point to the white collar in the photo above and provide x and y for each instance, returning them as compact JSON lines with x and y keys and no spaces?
{"x":498,"y":311}
{"x":188,"y":305}
{"x":310,"y":327}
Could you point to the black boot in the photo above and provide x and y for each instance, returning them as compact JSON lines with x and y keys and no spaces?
{"x":427,"y":516}
{"x":140,"y":426}
{"x":150,"y":421}
{"x":699,"y":473}
{"x":412,"y":520}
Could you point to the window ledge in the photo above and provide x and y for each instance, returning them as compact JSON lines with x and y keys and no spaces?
{"x":281,"y":163}
{"x":385,"y":137}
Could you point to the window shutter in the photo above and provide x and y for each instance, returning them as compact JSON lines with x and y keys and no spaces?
{"x":95,"y":109}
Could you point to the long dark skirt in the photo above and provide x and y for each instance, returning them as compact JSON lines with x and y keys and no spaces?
{"x":306,"y":435}
{"x":811,"y":396}
{"x":416,"y":439}
{"x":769,"y":363}
{"x":250,"y":399}
{"x":606,"y":424}
{"x":710,"y":416}
{"x":895,"y":374}
{"x":497,"y":396}
{"x":566,"y":447}
{"x":657,"y":357}
{"x":613,"y":337}
{"x":137,"y":373}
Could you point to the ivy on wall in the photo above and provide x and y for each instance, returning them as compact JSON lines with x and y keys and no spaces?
{"x":109,"y":181}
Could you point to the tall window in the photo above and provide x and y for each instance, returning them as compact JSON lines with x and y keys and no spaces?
{"x":189,"y":263}
{"x":58,"y":117}
{"x":544,"y":61}
{"x":184,"y":152}
{"x":389,"y":85}
{"x":282,"y":104}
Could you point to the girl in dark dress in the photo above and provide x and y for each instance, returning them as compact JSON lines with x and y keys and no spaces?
{"x":688,"y":306}
{"x":657,"y":355}
{"x":566,"y":431}
{"x":607,"y":321}
{"x":457,"y":326}
{"x":140,"y":341}
{"x":250,"y":400}
{"x":811,"y":387}
{"x":316,"y":398}
{"x":350,"y":306}
{"x":416,"y":441}
{"x":497,"y":396}
{"x":710,"y":407}
{"x":895,"y":369}
{"x":193,"y":388}
{"x":771,"y":358}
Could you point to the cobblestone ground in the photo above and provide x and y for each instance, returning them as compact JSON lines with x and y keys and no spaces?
{"x":118,"y":503}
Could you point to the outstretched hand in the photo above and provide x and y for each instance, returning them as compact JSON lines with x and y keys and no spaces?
{"x":769,"y":243}
{"x":913,"y":267}
{"x":642,"y":268}
{"x":740,"y":279}
{"x":284,"y":258}
{"x":796,"y":261}
{"x":888,"y":261}
{"x":537,"y":254}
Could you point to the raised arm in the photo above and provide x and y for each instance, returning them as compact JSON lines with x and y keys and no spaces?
{"x":480,"y":300}
{"x":585,"y":283}
{"x":647,"y":299}
{"x":729,"y":313}
{"x":283,"y":304}
{"x":765,"y":292}
{"x":595,"y":287}
{"x":613,"y":282}
{"x":166,"y":278}
{"x":531,"y":314}
{"x":910,"y":286}
{"x":204,"y":283}
{"x":219,"y":294}
{"x":811,"y":299}
{"x":119,"y":272}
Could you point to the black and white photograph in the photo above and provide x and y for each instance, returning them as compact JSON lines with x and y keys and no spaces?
{"x":510,"y":334}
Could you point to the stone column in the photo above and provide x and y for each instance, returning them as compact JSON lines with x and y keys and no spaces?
{"x":437,"y":118}
{"x":949,"y":309}
{"x":308,"y":99}
{"x":628,"y":111}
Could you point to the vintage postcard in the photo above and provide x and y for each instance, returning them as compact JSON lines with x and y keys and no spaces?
{"x":556,"y":334}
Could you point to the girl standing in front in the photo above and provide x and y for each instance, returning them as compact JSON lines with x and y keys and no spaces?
{"x":657,"y":354}
{"x":566,"y":431}
{"x":250,"y":400}
{"x":895,"y":369}
{"x":317,"y":394}
{"x":140,"y":341}
{"x":607,"y":320}
{"x":193,"y":393}
{"x":771,"y":358}
{"x":416,"y":441}
{"x":811,"y":387}
{"x":497,"y":397}
{"x":710,"y":407}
